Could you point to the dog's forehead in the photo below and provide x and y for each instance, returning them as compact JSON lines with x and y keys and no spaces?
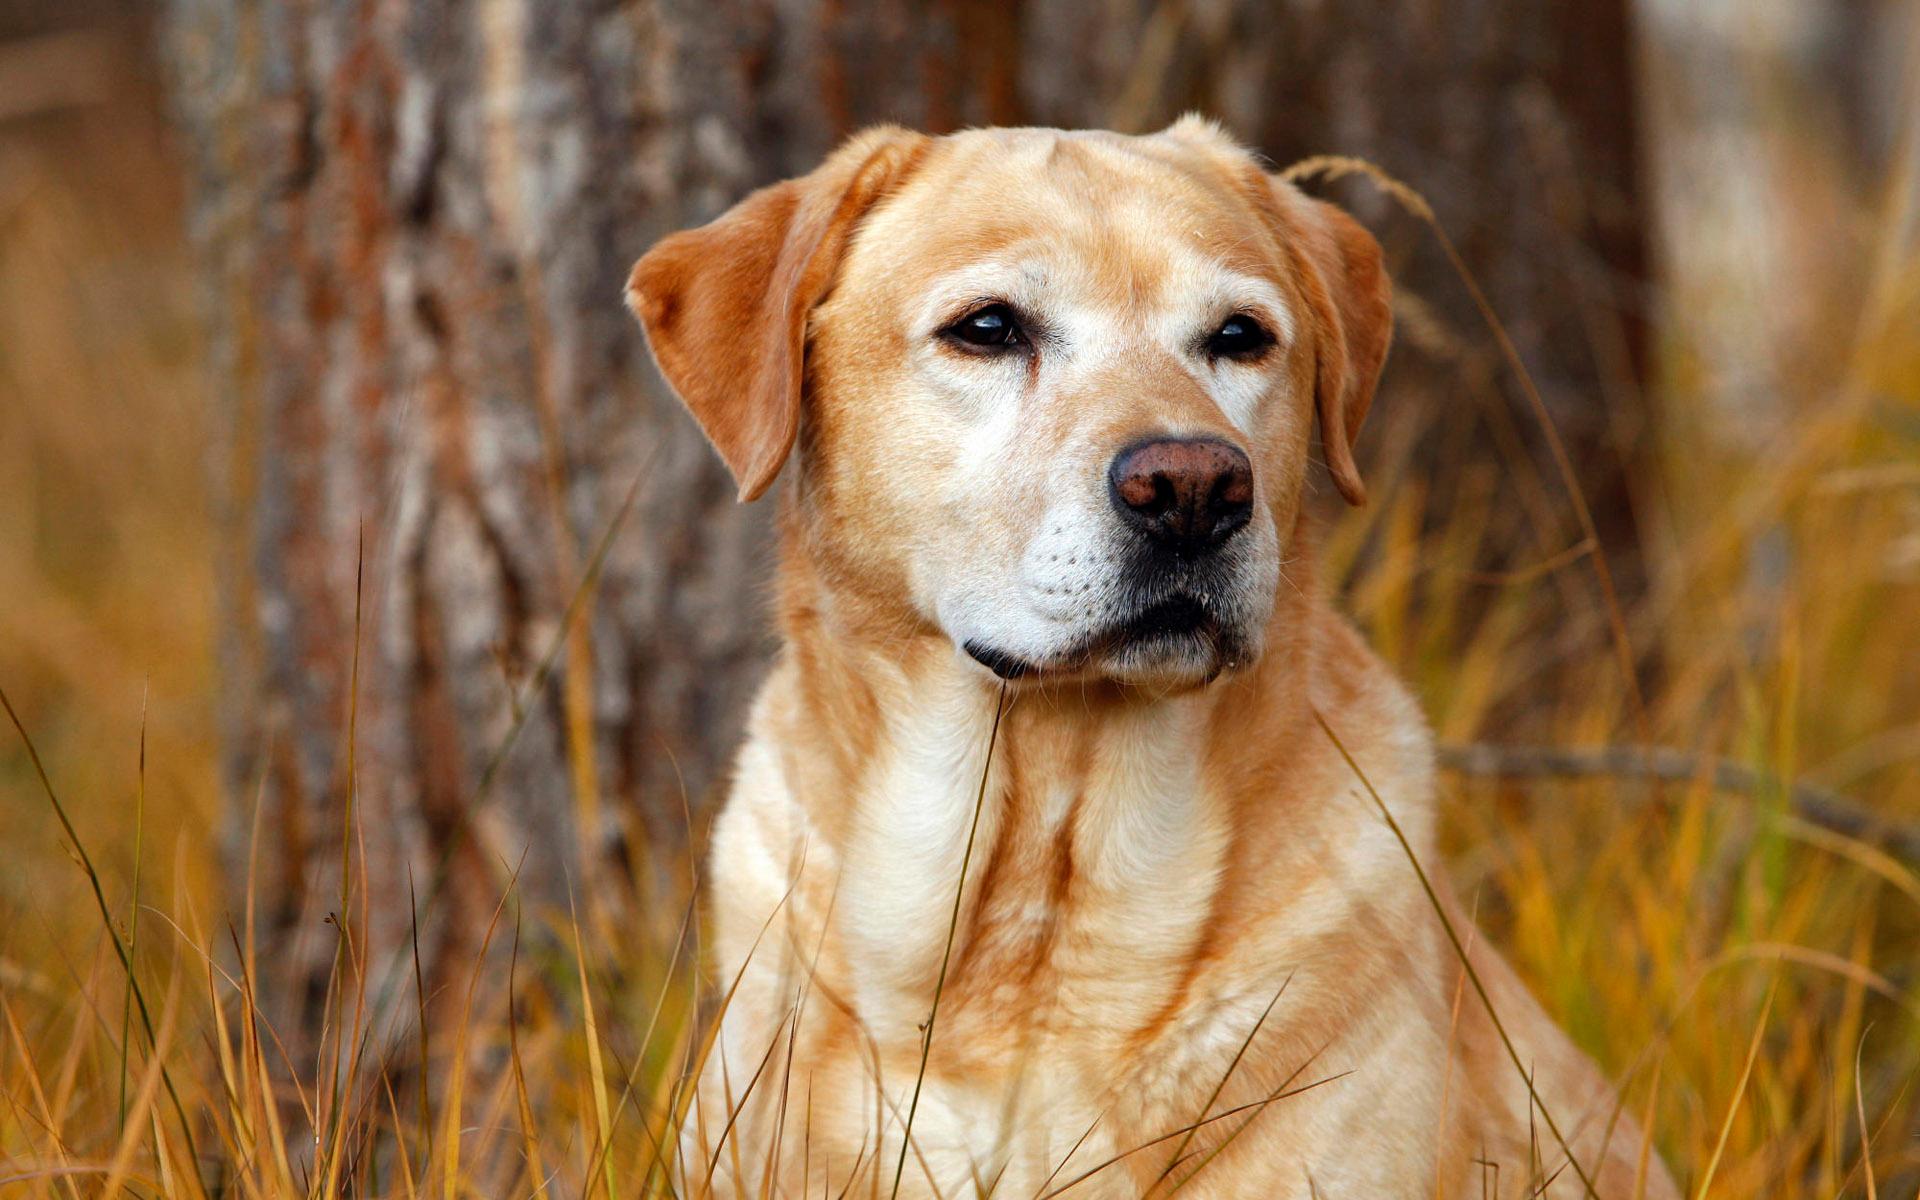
{"x":1123,"y":207}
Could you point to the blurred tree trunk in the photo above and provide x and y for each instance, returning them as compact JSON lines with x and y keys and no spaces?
{"x":416,"y":219}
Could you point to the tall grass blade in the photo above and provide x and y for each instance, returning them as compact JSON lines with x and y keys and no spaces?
{"x":1459,"y":949}
{"x":1213,"y":1097}
{"x":1860,"y":1113}
{"x":133,"y":906}
{"x":1739,"y":1093}
{"x":946,"y":955}
{"x":106,"y":919}
{"x":602,"y":1113}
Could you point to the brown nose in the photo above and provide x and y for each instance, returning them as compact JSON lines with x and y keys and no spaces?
{"x":1188,"y":494}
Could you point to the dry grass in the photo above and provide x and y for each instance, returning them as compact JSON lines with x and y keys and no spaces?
{"x":1753,"y":978}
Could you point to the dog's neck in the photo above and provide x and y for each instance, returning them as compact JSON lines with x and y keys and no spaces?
{"x":867,"y":671}
{"x":1153,"y":810}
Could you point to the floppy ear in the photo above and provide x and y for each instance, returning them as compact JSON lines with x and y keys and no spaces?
{"x":1351,"y":298}
{"x":725,"y":306}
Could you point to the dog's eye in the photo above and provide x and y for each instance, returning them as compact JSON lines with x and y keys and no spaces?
{"x":1239,"y":337}
{"x":991,"y":328}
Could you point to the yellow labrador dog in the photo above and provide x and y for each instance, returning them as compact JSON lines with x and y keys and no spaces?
{"x":1040,"y":871}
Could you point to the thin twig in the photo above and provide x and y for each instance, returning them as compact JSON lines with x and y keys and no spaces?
{"x":1814,"y":804}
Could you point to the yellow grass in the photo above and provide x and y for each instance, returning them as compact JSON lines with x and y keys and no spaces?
{"x":1752,"y":978}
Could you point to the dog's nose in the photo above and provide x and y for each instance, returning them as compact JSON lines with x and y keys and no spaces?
{"x":1190,"y":494}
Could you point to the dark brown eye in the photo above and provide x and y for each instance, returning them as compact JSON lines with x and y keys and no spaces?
{"x":990,"y":328}
{"x":1239,"y":337}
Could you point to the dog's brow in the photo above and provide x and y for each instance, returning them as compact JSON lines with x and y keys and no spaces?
{"x":1002,"y":276}
{"x":1223,"y":288}
{"x":1213,"y":285}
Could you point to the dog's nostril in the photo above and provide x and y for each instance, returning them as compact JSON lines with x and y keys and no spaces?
{"x":1163,"y":499}
{"x":1233,"y":489}
{"x":1188,"y":493}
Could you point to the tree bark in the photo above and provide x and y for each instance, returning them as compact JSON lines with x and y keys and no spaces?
{"x":416,"y":217}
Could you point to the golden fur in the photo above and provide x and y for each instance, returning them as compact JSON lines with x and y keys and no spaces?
{"x":1179,"y":904}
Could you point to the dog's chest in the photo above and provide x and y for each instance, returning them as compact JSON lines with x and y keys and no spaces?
{"x":1061,"y":892}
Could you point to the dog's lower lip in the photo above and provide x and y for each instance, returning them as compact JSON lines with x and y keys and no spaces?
{"x":1180,"y":615}
{"x":1005,"y":665}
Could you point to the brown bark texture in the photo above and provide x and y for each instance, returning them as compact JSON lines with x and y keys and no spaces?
{"x":415,"y":218}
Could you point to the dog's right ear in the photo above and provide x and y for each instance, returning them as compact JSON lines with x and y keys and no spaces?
{"x":725,"y":306}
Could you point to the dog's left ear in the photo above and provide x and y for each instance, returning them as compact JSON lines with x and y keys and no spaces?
{"x":1352,"y":302}
{"x":725,"y":306}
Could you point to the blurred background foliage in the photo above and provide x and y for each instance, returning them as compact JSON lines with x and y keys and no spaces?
{"x":1748,"y":401}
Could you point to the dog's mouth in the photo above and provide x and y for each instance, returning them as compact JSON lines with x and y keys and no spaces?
{"x":1178,"y":616}
{"x":1178,"y":626}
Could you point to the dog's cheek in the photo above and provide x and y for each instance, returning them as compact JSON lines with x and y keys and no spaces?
{"x":1282,"y":450}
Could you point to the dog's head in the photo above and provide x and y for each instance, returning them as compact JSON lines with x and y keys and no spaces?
{"x":1054,"y":391}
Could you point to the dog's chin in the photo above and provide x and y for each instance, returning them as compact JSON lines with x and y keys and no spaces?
{"x":1175,"y":645}
{"x":1167,"y":663}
